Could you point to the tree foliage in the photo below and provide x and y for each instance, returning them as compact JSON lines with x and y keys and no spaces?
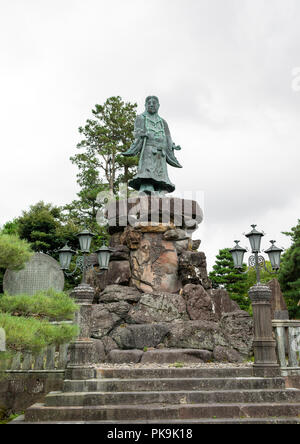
{"x":100,"y":162}
{"x":225,"y":275}
{"x":48,"y":304}
{"x":14,"y":252}
{"x":23,"y":334}
{"x":46,"y":228}
{"x":289,"y":273}
{"x":26,"y":322}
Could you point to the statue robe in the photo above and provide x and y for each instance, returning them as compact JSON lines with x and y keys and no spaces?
{"x":155,"y":152}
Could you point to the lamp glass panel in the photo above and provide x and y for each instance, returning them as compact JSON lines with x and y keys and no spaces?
{"x":65,"y":259}
{"x":238,"y":257}
{"x":255,"y":241}
{"x":274,"y":257}
{"x":103,"y":259}
{"x":85,"y":242}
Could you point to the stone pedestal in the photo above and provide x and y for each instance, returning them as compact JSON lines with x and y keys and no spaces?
{"x":155,"y":231}
{"x":81,"y":350}
{"x":153,"y":209}
{"x":81,"y":358}
{"x":155,"y":291}
{"x":265,"y":359}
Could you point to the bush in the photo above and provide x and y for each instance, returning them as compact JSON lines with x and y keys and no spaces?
{"x":29,"y":334}
{"x":14,"y":252}
{"x":48,"y":304}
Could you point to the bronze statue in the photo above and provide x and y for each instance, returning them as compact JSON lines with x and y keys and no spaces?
{"x":154,"y":145}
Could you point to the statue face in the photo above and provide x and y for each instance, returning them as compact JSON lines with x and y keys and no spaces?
{"x":152,"y":105}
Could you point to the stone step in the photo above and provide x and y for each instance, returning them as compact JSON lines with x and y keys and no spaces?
{"x":160,"y":356}
{"x":198,"y":372}
{"x":282,"y":420}
{"x":177,"y":397}
{"x":154,"y":412}
{"x":172,"y":384}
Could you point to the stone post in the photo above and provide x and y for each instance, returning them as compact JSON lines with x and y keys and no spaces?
{"x":81,"y":349}
{"x":265,"y":359}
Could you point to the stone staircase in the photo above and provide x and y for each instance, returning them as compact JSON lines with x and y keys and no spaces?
{"x":171,"y":396}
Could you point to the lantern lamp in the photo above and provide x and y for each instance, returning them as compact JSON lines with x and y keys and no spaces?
{"x":255,"y":239}
{"x":85,"y":239}
{"x":65,"y":256}
{"x":238,"y":254}
{"x":103,"y":256}
{"x":274,"y":254}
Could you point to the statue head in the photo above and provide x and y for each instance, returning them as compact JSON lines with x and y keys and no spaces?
{"x":152,"y":104}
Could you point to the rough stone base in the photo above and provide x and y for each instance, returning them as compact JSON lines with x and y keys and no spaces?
{"x":156,"y":292}
{"x":160,"y":356}
{"x":127,"y":319}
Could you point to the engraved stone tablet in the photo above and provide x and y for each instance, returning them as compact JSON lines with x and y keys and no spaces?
{"x":40,"y":273}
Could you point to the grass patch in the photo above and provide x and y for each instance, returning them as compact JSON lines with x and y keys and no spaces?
{"x":50,"y":304}
{"x":4,"y":418}
{"x":177,"y":365}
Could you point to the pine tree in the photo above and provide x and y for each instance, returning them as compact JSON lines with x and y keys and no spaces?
{"x":289,"y":273}
{"x":43,"y":226}
{"x":101,"y":163}
{"x":225,"y":275}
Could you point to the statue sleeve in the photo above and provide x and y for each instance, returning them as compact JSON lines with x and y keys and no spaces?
{"x":139,"y":126}
{"x":138,"y":141}
{"x":171,"y":159}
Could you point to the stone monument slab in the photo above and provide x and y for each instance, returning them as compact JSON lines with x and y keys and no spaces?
{"x":40,"y":273}
{"x":278,"y":304}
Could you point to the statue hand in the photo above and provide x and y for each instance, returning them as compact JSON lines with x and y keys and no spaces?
{"x":144,"y":134}
{"x":176,"y":147}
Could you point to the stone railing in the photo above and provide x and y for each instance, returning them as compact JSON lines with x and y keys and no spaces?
{"x":287,"y":334}
{"x":51,"y":358}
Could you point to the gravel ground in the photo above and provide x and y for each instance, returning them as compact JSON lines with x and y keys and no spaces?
{"x":184,"y":365}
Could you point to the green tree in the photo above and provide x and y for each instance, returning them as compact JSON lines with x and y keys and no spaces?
{"x":11,"y":227}
{"x":225,"y":275}
{"x":101,"y":163}
{"x":45,"y":227}
{"x":47,"y":230}
{"x":289,"y":273}
{"x":14,"y":252}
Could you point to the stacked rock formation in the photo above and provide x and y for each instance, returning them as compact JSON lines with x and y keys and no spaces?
{"x":156,"y":302}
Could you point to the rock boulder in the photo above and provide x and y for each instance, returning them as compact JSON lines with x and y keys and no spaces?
{"x":192,"y":269}
{"x":139,"y":336}
{"x":222,"y":303}
{"x":158,"y":307}
{"x":198,"y":303}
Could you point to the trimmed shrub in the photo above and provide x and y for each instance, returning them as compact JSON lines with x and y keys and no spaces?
{"x":29,"y":334}
{"x":48,"y":304}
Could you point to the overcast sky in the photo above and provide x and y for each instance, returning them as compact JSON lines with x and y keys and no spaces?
{"x":221,"y":68}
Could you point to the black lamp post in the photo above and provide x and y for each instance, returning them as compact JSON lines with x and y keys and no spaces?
{"x":255,"y":260}
{"x":85,"y":238}
{"x":80,"y":365}
{"x":265,"y":359}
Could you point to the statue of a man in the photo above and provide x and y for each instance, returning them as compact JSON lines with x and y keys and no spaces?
{"x":154,"y":145}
